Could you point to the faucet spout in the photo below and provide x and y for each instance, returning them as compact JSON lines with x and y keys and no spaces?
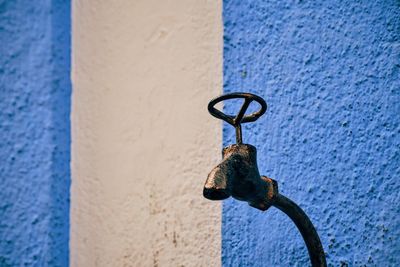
{"x":217,"y":186}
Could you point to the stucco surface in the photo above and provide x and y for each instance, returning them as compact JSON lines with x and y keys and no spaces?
{"x":329,"y":71}
{"x":143,"y":142}
{"x":34,"y":133}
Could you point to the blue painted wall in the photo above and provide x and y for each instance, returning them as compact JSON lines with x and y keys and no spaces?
{"x":34,"y":132}
{"x":329,"y":71}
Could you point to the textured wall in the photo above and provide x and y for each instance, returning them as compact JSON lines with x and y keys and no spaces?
{"x":329,"y":71}
{"x":34,"y":132}
{"x":143,"y":142}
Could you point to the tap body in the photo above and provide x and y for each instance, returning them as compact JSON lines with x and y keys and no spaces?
{"x":237,"y":176}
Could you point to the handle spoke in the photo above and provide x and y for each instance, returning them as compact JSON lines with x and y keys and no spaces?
{"x":242,"y":111}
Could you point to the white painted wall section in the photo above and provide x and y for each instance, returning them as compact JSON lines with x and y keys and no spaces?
{"x":142,"y":139}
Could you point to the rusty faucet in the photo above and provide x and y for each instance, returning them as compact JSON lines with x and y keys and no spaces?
{"x":238,"y":176}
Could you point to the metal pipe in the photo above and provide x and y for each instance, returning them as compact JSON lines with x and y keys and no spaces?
{"x":306,"y":228}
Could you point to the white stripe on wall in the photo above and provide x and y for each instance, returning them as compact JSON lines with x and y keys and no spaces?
{"x":142,"y":140}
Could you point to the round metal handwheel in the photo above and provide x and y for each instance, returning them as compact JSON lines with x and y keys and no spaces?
{"x":240,"y":117}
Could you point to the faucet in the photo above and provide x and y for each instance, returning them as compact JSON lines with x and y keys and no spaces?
{"x":238,"y":176}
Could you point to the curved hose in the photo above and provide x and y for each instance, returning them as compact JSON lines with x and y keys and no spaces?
{"x":306,"y":228}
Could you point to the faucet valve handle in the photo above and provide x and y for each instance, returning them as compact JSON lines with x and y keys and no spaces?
{"x":236,"y":121}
